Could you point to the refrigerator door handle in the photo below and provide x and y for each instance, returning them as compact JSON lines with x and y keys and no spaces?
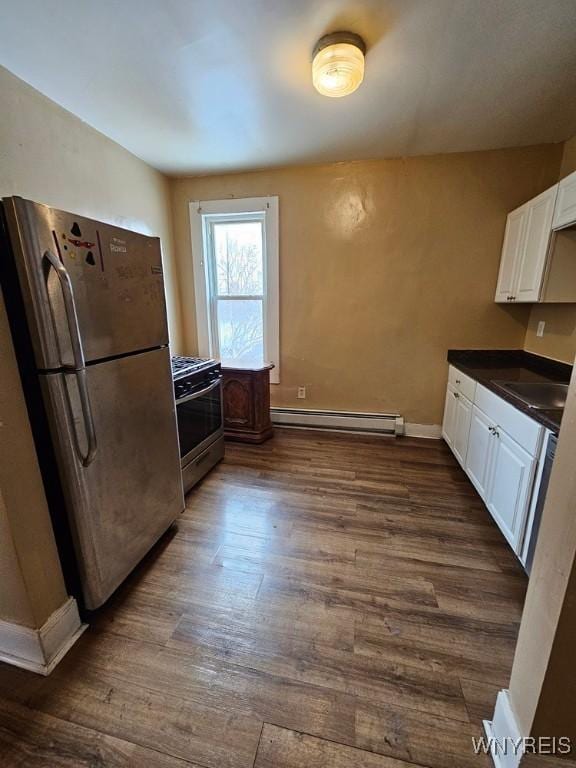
{"x":86,"y":407}
{"x":78,"y":353}
{"x":70,"y":308}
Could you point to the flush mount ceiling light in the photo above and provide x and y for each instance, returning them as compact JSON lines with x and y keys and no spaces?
{"x":338,"y":63}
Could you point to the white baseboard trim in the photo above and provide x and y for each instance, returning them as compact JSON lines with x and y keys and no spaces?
{"x":39,"y":650}
{"x":428,"y":431}
{"x":339,"y":421}
{"x":504,"y":731}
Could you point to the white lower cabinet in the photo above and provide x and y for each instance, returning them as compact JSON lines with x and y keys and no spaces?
{"x":509,"y":484}
{"x":479,"y":451}
{"x":457,"y":413}
{"x":500,"y":468}
{"x":449,"y":422}
{"x":462,"y":428}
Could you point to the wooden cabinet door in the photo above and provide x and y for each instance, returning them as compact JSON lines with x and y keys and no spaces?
{"x":511,"y":253}
{"x":509,"y":484}
{"x":479,"y":453}
{"x":565,"y":210}
{"x":532,"y":262}
{"x":463,"y":415}
{"x":449,"y":421}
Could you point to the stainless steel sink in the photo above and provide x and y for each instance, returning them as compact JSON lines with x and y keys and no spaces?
{"x":540,"y":395}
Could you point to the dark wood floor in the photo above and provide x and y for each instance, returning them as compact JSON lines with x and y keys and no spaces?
{"x":326,"y":601}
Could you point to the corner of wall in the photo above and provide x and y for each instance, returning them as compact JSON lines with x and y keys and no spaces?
{"x":559,"y":340}
{"x":40,"y":650}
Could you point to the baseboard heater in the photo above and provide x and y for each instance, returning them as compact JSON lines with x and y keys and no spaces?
{"x":339,"y":421}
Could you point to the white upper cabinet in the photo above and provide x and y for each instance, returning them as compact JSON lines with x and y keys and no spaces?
{"x":535,"y":249}
{"x":511,"y":253}
{"x":565,"y":212}
{"x":526,"y":241}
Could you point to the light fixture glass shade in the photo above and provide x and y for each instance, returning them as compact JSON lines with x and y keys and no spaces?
{"x":337,"y":68}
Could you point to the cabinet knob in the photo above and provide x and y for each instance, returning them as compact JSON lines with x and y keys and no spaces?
{"x":458,"y":381}
{"x":456,"y":394}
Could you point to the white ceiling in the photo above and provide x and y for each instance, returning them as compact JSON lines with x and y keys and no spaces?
{"x":195,"y":86}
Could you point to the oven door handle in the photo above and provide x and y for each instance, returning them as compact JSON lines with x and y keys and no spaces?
{"x":204,"y":391}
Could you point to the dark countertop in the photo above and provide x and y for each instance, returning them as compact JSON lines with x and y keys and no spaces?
{"x":488,"y":366}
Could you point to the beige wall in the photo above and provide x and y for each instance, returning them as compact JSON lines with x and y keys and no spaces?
{"x":50,"y":156}
{"x":32,"y":586}
{"x":384,"y":265}
{"x":559,"y":340}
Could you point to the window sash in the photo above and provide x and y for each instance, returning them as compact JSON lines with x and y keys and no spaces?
{"x":214,"y":297}
{"x":235,"y":210}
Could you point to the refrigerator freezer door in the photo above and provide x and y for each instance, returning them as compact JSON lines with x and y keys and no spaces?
{"x":115,"y":275}
{"x":121,"y":503}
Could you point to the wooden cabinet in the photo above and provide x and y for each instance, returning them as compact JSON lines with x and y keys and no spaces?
{"x":525,"y":249}
{"x":246,"y":403}
{"x":565,"y":211}
{"x":497,"y":446}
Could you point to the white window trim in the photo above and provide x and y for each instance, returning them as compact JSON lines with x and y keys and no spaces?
{"x":199,"y":208}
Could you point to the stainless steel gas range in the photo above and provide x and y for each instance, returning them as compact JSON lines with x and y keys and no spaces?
{"x":198,"y":393}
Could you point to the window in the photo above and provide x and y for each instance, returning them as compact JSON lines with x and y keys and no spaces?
{"x":235,"y":252}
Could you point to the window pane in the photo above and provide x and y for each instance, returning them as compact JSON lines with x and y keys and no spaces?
{"x":238,"y":257}
{"x":241,"y":331}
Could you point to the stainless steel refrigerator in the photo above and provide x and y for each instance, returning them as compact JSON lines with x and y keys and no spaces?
{"x":87,"y":312}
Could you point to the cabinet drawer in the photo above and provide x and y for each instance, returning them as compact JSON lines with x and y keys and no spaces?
{"x":521,"y":428}
{"x":461,"y":382}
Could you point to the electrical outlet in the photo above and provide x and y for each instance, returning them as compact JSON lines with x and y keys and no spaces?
{"x":301,"y":393}
{"x":541,"y":326}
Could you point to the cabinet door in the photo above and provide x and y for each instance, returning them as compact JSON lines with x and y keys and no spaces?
{"x":565,"y":211}
{"x":511,"y":252}
{"x":479,"y":453}
{"x":509,"y":484}
{"x":449,"y":421}
{"x":463,"y":414}
{"x":532,"y":261}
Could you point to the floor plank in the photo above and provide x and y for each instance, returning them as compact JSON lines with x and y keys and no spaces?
{"x":281,"y":748}
{"x":31,"y":739}
{"x":423,"y":739}
{"x":308,"y":662}
{"x":437,"y":640}
{"x":160,"y":721}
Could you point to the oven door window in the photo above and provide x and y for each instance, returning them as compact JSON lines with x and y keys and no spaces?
{"x":198,"y":419}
